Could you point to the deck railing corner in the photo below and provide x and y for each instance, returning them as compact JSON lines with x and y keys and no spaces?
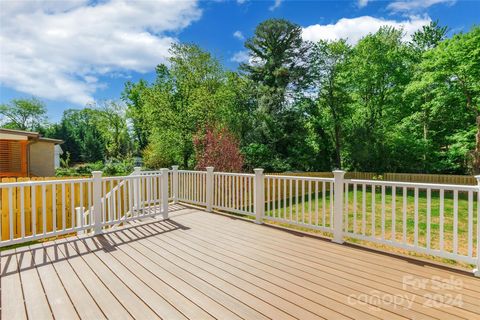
{"x":209,"y":188}
{"x":259,"y":191}
{"x":97,"y":202}
{"x":338,"y":223}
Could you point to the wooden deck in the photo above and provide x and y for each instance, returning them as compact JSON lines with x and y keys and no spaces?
{"x":199,"y":265}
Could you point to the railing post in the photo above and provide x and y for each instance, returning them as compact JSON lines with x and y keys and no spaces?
{"x":209,"y":189}
{"x":175,"y":184}
{"x":136,"y":188}
{"x":338,"y":199}
{"x":97,"y":202}
{"x":164,"y":192}
{"x":476,"y":271}
{"x":259,"y":191}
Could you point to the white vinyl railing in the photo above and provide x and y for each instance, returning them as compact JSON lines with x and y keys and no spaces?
{"x":302,"y":201}
{"x":439,"y":220}
{"x":435,"y":219}
{"x":234,"y":192}
{"x":192,"y":187}
{"x":34,"y":210}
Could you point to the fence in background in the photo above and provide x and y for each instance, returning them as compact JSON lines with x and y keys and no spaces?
{"x":436,"y":219}
{"x":401,"y":177}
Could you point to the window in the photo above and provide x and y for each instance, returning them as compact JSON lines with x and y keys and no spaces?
{"x":13,"y":158}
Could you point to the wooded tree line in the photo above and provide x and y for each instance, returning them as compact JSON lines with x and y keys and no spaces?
{"x":384,"y":104}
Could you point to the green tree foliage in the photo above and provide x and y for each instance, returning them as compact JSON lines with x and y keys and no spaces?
{"x":112,"y":123}
{"x":23,"y":114}
{"x":95,"y":133}
{"x":445,"y":93}
{"x":278,"y":61}
{"x":188,"y":95}
{"x":379,"y":69}
{"x":429,"y":36}
{"x":133,"y":96}
{"x":79,"y":130}
{"x":330,"y":80}
{"x":382,"y":104}
{"x":278,"y":68}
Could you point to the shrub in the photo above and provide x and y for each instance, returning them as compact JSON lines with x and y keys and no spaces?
{"x":218,"y":148}
{"x":110,"y":168}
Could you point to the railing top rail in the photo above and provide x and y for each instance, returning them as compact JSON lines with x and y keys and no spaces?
{"x":192,"y":171}
{"x":42,"y":182}
{"x":145,"y":172}
{"x":300,"y":178}
{"x":130,"y":177}
{"x":414,"y":184}
{"x":234,"y":174}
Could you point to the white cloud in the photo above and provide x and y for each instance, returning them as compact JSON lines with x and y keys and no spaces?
{"x":275,"y":5}
{"x":415,"y":5}
{"x":59,"y":49}
{"x":241,"y":57}
{"x":362,"y":3}
{"x":239,"y":35}
{"x":356,"y":28}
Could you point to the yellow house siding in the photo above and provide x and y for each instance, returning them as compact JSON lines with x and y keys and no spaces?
{"x":41,"y":159}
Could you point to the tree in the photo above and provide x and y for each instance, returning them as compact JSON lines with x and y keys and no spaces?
{"x":449,"y":80}
{"x":80,"y":131}
{"x":420,"y":93}
{"x":133,"y":95}
{"x":112,"y":123}
{"x":186,"y":96}
{"x":278,"y":61}
{"x":23,"y":114}
{"x":429,"y":36}
{"x":217,"y":148}
{"x":328,"y":74}
{"x":379,"y":69}
{"x":278,"y":68}
{"x":382,"y":105}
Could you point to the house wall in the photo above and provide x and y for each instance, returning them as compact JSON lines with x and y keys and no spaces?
{"x":9,"y":136}
{"x":42,"y":159}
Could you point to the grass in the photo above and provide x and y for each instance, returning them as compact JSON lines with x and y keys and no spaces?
{"x":305,"y":210}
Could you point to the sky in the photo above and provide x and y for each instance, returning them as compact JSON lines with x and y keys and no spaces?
{"x":72,"y":53}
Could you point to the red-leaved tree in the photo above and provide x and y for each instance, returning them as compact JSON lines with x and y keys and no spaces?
{"x":217,"y":148}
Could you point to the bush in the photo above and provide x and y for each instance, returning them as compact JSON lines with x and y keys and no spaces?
{"x":110,"y":168}
{"x":218,"y":148}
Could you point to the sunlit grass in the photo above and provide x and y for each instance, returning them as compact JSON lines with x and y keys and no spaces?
{"x":317,"y":211}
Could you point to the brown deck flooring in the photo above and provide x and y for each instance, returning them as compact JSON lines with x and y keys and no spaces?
{"x":199,"y":265}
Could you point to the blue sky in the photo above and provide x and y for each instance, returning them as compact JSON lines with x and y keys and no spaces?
{"x":79,"y":51}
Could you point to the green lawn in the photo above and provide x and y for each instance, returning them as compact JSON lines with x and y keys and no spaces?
{"x":305,"y":211}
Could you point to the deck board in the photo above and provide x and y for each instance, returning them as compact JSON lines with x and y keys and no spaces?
{"x":35,"y":299}
{"x":200,"y":265}
{"x":12,"y":302}
{"x":60,"y":303}
{"x":341,"y":277}
{"x":81,"y":298}
{"x":104,"y":299}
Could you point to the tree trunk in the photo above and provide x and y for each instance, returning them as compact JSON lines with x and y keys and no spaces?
{"x":338,"y":156}
{"x":425,"y":139}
